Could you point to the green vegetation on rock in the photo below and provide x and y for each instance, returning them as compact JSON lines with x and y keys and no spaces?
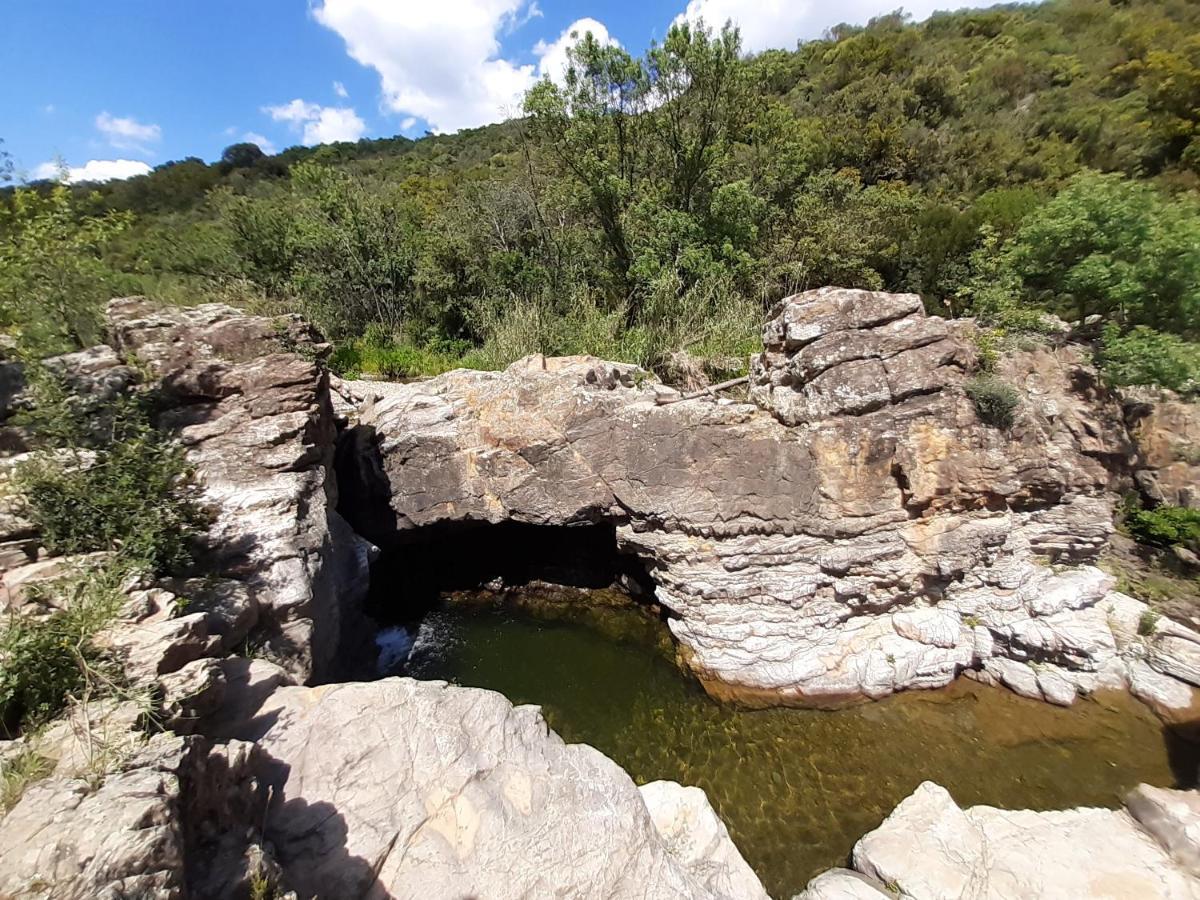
{"x":995,"y":400}
{"x":111,"y":481}
{"x":46,"y":660}
{"x":1165,"y":526}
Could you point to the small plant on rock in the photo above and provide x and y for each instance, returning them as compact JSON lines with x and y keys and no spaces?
{"x":995,"y":400}
{"x":1148,"y":622}
{"x":17,"y":772}
{"x":1165,"y":526}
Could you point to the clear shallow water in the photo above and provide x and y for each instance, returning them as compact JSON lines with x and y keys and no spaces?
{"x":796,"y":788}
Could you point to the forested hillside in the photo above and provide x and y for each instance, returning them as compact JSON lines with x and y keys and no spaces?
{"x":1001,"y":163}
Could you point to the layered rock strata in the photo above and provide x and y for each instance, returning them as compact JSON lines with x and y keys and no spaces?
{"x":854,"y":530}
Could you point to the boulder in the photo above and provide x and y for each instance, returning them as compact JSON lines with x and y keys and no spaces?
{"x":930,"y":849}
{"x":696,"y":836}
{"x":1173,"y":819}
{"x":421,"y":789}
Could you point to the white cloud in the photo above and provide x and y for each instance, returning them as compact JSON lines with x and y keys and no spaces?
{"x":93,"y":170}
{"x":127,"y":133}
{"x":320,"y":124}
{"x":295,"y":113}
{"x":439,"y":60}
{"x":264,"y":143}
{"x":334,"y":124}
{"x":553,"y":56}
{"x":408,"y":123}
{"x":340,"y":90}
{"x":781,"y":23}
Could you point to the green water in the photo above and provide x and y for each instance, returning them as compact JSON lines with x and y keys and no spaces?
{"x":796,"y":788}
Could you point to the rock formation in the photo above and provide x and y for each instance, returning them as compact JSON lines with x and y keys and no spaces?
{"x":1167,"y":431}
{"x":251,"y":404}
{"x":417,"y":789}
{"x":855,"y":530}
{"x":930,"y":849}
{"x":852,"y":529}
{"x":421,"y":789}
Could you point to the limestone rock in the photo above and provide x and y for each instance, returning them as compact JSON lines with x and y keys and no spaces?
{"x":192,"y":695}
{"x":158,"y":643}
{"x":134,"y":834}
{"x":425,"y":790}
{"x":1167,"y":431}
{"x":1172,"y":818}
{"x":843,"y":884}
{"x":253,"y":409}
{"x":230,"y":607}
{"x":1177,"y":656}
{"x":95,"y":375}
{"x":91,"y":737}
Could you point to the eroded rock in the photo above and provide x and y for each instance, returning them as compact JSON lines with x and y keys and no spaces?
{"x":253,"y":409}
{"x":930,"y":849}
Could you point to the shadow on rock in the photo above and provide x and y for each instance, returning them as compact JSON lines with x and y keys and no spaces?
{"x":310,"y":843}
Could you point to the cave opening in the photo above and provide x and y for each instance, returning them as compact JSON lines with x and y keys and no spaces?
{"x":569,"y":568}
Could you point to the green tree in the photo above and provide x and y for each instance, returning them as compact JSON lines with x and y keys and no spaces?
{"x":53,"y":280}
{"x":1110,"y":246}
{"x":240,"y":156}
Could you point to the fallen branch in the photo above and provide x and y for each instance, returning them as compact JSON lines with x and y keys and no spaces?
{"x":707,"y":392}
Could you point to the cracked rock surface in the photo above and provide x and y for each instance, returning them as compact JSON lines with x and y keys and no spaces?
{"x":414,"y":789}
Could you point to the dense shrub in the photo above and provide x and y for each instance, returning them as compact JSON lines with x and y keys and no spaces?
{"x":118,"y":484}
{"x":1165,"y":526}
{"x":1146,"y":356}
{"x":995,"y":400}
{"x":53,"y":279}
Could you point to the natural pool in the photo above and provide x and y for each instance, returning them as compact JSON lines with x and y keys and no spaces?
{"x":796,"y":788}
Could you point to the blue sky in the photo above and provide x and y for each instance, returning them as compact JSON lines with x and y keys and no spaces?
{"x":116,"y":86}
